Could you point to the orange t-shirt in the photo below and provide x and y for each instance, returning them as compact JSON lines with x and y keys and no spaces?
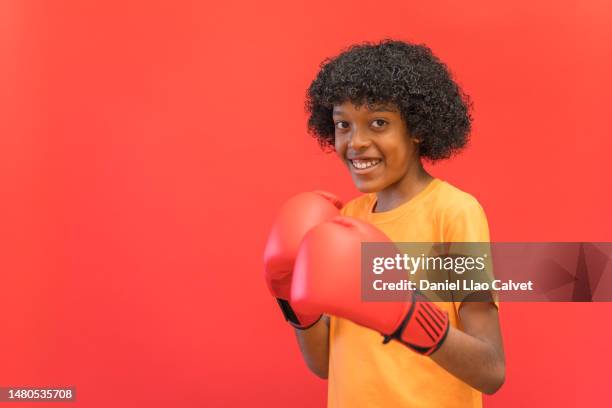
{"x":364,"y":372}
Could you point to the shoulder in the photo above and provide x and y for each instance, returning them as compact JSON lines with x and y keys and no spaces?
{"x":462,"y":218}
{"x":358,"y":206}
{"x":452,"y":202}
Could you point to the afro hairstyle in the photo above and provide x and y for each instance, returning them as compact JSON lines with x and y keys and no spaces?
{"x":433,"y":106}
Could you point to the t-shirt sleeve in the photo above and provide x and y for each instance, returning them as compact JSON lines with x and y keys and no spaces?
{"x":467,"y":222}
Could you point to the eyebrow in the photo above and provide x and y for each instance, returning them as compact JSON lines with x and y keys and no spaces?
{"x":339,"y":111}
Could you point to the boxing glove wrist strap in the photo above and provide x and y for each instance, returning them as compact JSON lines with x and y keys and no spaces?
{"x":423,"y":329}
{"x":299,"y":322}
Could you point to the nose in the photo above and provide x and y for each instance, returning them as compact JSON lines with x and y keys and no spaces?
{"x":359,"y":140}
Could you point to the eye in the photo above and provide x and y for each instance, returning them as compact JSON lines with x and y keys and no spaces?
{"x":342,"y":125}
{"x":378,"y":123}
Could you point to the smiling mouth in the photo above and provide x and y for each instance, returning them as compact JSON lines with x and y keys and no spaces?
{"x":366,"y":164}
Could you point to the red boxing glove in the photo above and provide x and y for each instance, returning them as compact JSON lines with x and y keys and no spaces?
{"x":327,"y":278}
{"x":297,"y":216}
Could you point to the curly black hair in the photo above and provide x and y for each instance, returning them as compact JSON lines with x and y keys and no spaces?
{"x":435,"y":109}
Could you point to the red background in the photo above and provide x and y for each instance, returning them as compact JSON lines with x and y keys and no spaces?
{"x":146,"y":145}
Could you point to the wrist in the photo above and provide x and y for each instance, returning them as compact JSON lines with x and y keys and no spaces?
{"x":297,"y":320}
{"x":424,"y":328}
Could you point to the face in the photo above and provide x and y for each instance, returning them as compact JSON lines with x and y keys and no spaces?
{"x":375,"y":145}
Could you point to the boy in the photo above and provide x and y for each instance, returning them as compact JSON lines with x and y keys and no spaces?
{"x":383,"y":108}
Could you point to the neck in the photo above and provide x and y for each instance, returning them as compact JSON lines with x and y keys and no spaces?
{"x":415,"y":181}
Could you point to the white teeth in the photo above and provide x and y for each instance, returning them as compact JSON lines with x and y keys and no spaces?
{"x":364,"y":164}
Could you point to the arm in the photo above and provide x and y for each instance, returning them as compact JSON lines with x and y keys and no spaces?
{"x":475,"y":355}
{"x":314,"y":345}
{"x":329,"y":258}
